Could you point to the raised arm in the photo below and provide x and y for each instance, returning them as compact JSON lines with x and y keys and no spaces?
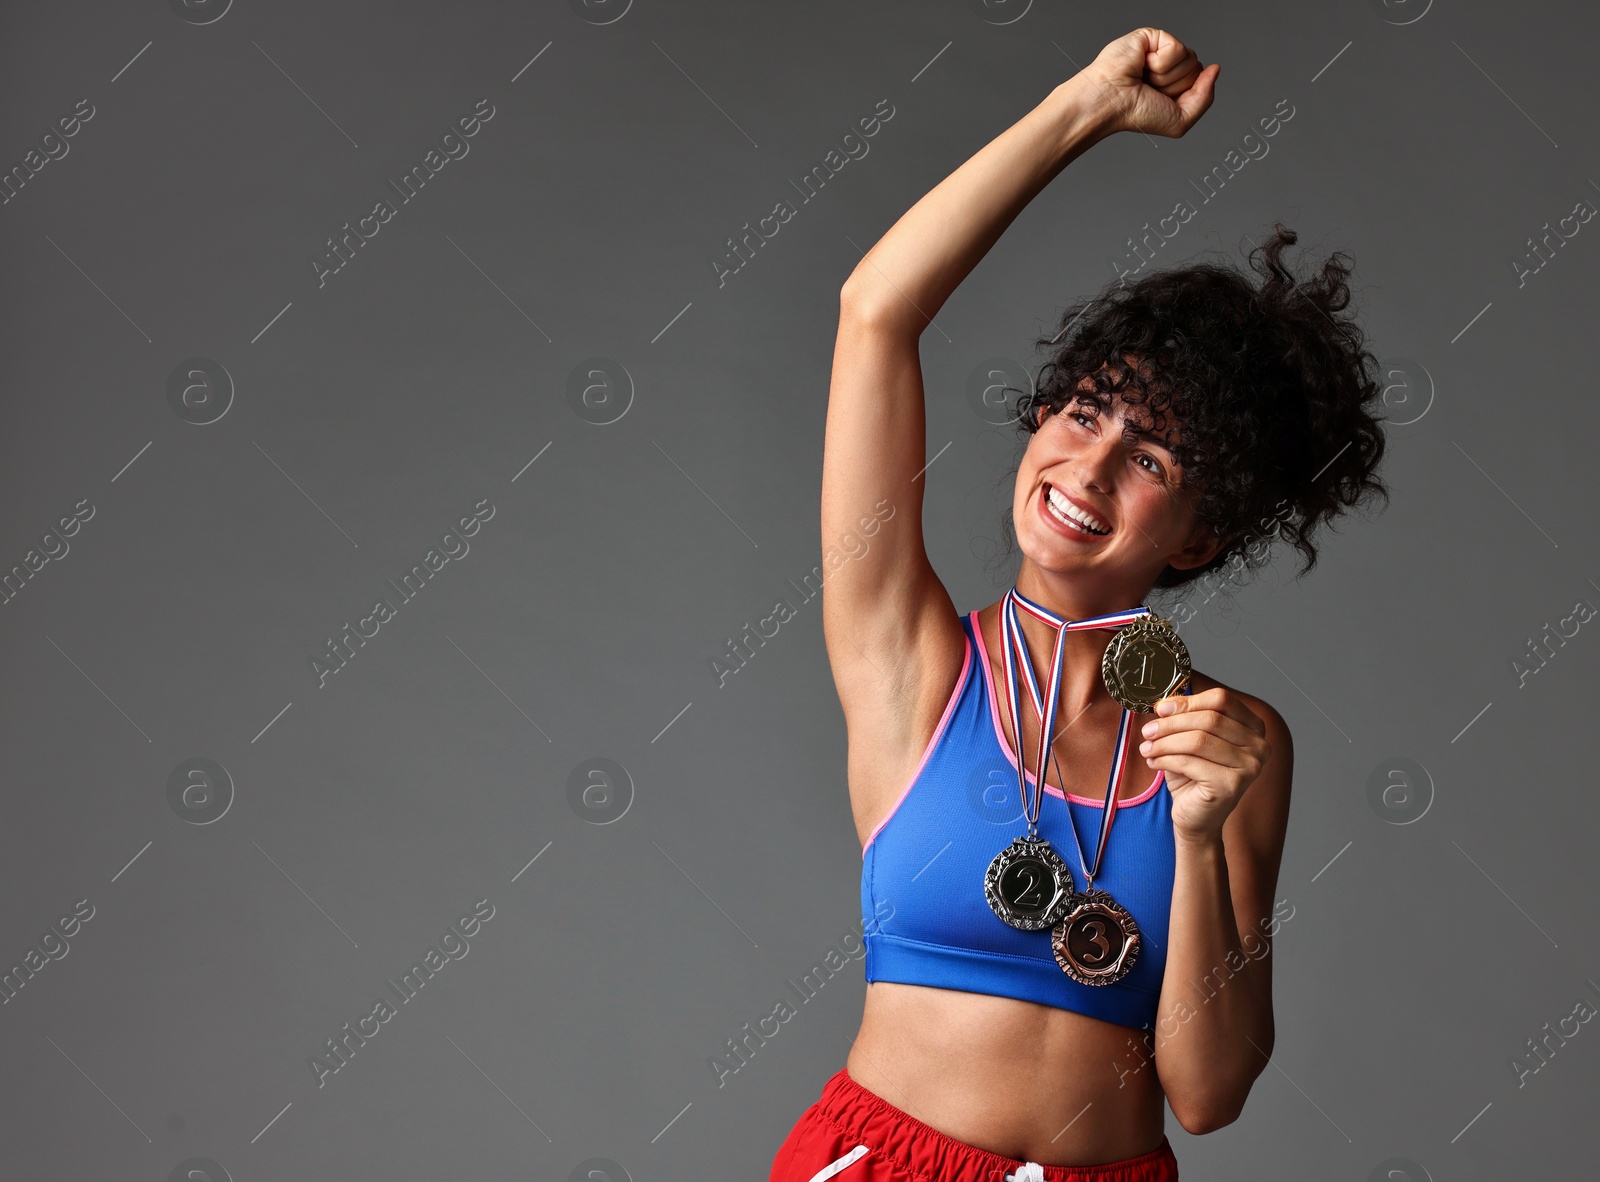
{"x":886,"y":617}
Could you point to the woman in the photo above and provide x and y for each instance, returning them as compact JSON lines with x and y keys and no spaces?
{"x":1182,"y":423}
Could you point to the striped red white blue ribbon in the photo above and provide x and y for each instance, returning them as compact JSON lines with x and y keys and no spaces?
{"x":1015,"y":652}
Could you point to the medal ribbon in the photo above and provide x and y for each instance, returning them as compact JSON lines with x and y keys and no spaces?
{"x":1108,"y":811}
{"x":1014,"y":650}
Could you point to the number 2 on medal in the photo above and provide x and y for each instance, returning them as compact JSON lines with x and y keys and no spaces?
{"x":1029,"y":896}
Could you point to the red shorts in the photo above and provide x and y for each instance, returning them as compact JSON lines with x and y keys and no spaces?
{"x":853,"y":1135}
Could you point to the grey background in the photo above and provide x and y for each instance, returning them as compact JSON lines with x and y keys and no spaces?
{"x":432,"y":372}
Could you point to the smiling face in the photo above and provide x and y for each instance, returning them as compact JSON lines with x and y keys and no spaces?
{"x":1100,"y":502}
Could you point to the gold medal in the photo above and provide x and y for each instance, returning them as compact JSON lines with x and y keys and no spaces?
{"x":1145,"y":662}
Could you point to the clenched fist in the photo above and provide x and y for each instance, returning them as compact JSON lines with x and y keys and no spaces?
{"x":1152,"y":82}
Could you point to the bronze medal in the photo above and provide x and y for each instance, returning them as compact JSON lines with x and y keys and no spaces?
{"x":1096,"y":942}
{"x":1145,"y":662}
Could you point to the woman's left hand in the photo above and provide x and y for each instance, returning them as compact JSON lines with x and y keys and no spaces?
{"x":1212,"y":747}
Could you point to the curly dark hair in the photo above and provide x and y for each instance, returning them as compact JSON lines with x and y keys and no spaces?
{"x":1264,"y":394}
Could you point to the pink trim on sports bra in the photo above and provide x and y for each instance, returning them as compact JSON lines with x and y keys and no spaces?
{"x":1005,"y":744}
{"x":938,"y":733}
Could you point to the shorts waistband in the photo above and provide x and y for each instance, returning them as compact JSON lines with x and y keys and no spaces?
{"x":893,"y":1132}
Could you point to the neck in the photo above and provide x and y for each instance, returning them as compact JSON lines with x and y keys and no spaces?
{"x":1077,"y":600}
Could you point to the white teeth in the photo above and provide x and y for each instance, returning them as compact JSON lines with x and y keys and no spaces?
{"x":1066,"y":510}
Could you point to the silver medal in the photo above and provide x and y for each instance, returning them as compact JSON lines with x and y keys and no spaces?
{"x":1028,"y":885}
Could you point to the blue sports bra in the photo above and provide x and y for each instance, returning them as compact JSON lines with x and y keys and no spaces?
{"x":924,"y":915}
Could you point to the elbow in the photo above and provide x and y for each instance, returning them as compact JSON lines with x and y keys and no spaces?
{"x":1207,"y":1116}
{"x":1212,"y":1094}
{"x":866,"y":299}
{"x":1212,"y":1106}
{"x":852,"y":294}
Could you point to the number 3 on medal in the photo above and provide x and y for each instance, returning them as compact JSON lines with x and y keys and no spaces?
{"x":1098,"y":938}
{"x":1097,"y":941}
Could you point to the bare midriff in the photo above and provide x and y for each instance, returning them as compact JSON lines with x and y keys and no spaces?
{"x":1017,"y":1078}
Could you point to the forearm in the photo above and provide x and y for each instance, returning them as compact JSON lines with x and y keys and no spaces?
{"x":1214,"y":1027}
{"x":907,"y":276}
